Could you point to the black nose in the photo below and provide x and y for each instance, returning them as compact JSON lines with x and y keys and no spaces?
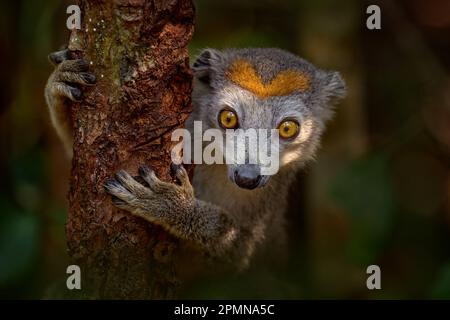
{"x":246,"y":180}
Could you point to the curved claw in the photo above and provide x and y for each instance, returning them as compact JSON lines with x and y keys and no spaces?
{"x":154,"y":183}
{"x":116,"y":189}
{"x":148,"y":175}
{"x":131,"y":184}
{"x":180,"y":173}
{"x":59,"y":56}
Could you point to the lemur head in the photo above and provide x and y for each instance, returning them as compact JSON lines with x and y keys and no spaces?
{"x":265,"y":88}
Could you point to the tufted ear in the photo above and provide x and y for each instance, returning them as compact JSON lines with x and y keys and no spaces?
{"x":333,"y":86}
{"x":203,"y":66}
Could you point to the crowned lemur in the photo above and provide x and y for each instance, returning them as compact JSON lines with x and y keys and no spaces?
{"x":229,"y":210}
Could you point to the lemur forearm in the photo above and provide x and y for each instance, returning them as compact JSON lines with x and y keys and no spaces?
{"x":59,"y":116}
{"x":211,"y":228}
{"x":174,"y":207}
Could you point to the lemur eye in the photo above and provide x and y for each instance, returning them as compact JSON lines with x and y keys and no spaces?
{"x":288,"y":129}
{"x":228,"y":119}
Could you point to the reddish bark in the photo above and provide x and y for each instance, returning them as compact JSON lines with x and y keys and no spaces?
{"x":138,"y":50}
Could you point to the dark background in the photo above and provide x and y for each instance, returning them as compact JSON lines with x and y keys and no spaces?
{"x":377,"y":194}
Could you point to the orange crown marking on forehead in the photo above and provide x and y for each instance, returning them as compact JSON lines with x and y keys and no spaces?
{"x":242,"y":73}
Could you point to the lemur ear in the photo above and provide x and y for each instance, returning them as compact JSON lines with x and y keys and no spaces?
{"x":203,"y":65}
{"x":334,"y":87}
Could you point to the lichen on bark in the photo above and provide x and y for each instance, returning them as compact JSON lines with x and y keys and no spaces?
{"x":138,"y":52}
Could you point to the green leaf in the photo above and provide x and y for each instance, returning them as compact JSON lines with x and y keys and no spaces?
{"x":19,"y":234}
{"x":365,"y":192}
{"x":441,"y":289}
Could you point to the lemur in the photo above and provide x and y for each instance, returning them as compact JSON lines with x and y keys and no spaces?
{"x":230,"y":210}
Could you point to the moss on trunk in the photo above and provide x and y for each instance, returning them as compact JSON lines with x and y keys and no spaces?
{"x":138,"y":51}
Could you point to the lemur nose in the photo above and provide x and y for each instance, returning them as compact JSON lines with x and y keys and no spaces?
{"x":246,"y":180}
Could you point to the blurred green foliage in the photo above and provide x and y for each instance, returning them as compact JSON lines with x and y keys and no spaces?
{"x":19,"y":243}
{"x":441,"y":288}
{"x":365,"y":192}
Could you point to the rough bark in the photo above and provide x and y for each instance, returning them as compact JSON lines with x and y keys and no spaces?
{"x":138,"y":50}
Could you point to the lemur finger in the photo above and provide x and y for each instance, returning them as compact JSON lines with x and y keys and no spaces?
{"x":124,"y":199}
{"x":62,"y":89}
{"x":83,"y":78}
{"x":117,"y":190}
{"x":152,"y":180}
{"x":78,"y":65}
{"x":122,"y":204}
{"x":118,"y":202}
{"x":132,"y":185}
{"x":180,"y":173}
{"x":59,"y":56}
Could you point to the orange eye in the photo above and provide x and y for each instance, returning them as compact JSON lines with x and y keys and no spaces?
{"x":288,"y":129}
{"x":228,"y":119}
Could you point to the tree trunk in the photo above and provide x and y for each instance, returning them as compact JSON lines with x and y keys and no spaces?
{"x":138,"y":51}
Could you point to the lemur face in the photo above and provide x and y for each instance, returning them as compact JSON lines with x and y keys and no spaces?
{"x":265,"y":89}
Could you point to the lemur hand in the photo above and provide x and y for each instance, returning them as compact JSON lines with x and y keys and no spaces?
{"x":174,"y":207}
{"x":162,"y":203}
{"x":68,"y":76}
{"x":66,"y":83}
